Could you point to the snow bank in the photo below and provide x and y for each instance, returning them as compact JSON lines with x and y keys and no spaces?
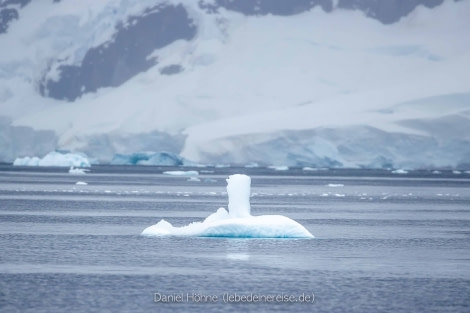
{"x":55,"y":158}
{"x":237,"y":222}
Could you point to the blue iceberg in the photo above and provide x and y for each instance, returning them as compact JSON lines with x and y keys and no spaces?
{"x":148,"y":158}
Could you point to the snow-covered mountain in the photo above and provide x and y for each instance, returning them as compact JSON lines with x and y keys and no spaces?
{"x":347,"y":83}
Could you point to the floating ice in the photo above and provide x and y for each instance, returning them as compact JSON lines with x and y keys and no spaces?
{"x":400,"y":171}
{"x":314,"y":169}
{"x":181,"y":173}
{"x":237,"y":222}
{"x":194,"y":179}
{"x":77,"y":171}
{"x":335,"y":185}
{"x":279,"y":167}
{"x":55,"y":158}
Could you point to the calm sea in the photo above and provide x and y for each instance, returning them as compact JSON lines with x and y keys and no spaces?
{"x":383,"y":242}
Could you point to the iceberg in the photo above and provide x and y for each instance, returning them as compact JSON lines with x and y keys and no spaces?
{"x":147,"y":158}
{"x":237,"y":222}
{"x":27,"y":161}
{"x":55,"y":158}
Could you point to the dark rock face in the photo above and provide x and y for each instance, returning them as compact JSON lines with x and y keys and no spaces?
{"x":386,"y":11}
{"x":126,"y":54}
{"x":9,"y":12}
{"x":389,"y":11}
{"x":171,"y":69}
{"x":113,"y":63}
{"x":264,"y":7}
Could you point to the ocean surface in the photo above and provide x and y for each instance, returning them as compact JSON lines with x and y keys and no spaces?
{"x":383,"y":242}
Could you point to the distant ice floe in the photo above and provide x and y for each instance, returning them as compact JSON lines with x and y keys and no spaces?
{"x":279,"y":167}
{"x":181,"y":173}
{"x":400,"y":171}
{"x":55,"y":158}
{"x":194,"y":179}
{"x":82,"y":183}
{"x":237,"y":222}
{"x":314,"y":169}
{"x":335,"y":185}
{"x":77,"y":171}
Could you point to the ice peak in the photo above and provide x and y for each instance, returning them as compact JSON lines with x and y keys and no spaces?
{"x":238,"y":189}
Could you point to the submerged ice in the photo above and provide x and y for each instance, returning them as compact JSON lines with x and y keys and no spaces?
{"x":237,"y":222}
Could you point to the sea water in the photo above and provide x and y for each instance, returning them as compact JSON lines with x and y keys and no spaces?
{"x":383,"y":242}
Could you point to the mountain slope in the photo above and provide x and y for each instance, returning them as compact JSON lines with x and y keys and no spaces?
{"x":324,"y":83}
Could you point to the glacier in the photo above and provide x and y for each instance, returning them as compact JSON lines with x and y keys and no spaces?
{"x":237,"y":222}
{"x":301,"y":84}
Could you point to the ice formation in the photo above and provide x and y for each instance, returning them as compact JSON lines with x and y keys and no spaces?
{"x":148,"y":158}
{"x":237,"y":222}
{"x":77,"y":171}
{"x":55,"y":158}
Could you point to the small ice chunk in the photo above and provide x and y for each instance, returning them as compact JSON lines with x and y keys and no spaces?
{"x":77,"y":171}
{"x":400,"y":171}
{"x":194,"y":179}
{"x":279,"y":167}
{"x":335,"y":185}
{"x":314,"y":169}
{"x":82,"y":183}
